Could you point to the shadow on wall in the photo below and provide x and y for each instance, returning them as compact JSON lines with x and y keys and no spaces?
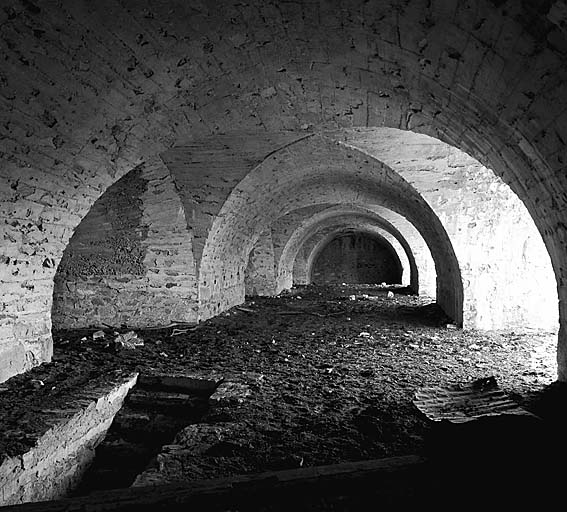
{"x":129,"y":262}
{"x":356,"y":258}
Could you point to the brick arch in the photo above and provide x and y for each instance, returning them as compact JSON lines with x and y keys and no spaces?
{"x":315,"y":170}
{"x":372,"y":232}
{"x":110,"y":84}
{"x":130,"y":259}
{"x":334,"y":217}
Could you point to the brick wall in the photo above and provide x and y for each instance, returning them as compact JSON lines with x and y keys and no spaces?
{"x":356,"y":258}
{"x":61,"y":455}
{"x":130,"y":260}
{"x":92,"y":89}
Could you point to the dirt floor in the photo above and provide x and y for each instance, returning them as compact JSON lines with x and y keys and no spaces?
{"x":332,"y":372}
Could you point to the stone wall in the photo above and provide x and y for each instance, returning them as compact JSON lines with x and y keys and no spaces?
{"x":55,"y":465}
{"x":130,"y":261}
{"x":508,"y":279}
{"x":356,"y":258}
{"x":296,"y":234}
{"x":91,"y":89}
{"x":260,"y":277}
{"x":303,"y":264}
{"x":313,"y":171}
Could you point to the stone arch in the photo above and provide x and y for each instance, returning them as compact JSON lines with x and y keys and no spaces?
{"x":479,"y":212}
{"x":314,"y":170}
{"x":130,"y":259}
{"x":336,"y":216}
{"x":302,"y":269}
{"x":376,"y":233}
{"x":99,"y":101}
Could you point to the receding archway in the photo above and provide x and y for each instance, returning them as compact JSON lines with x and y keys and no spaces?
{"x":292,"y":258}
{"x":355,"y":258}
{"x":315,"y":170}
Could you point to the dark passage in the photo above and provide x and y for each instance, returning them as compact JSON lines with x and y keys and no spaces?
{"x":151,"y":416}
{"x":357,"y":258}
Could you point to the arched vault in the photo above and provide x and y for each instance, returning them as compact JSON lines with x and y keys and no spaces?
{"x":314,"y":170}
{"x":115,"y":84}
{"x":322,"y":240}
{"x":339,"y":217}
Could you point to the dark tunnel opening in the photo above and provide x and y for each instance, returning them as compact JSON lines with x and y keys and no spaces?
{"x":357,"y":258}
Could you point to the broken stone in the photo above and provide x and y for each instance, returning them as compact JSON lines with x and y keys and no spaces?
{"x":229,"y":393}
{"x":129,"y":340}
{"x":37,"y":383}
{"x":269,"y":92}
{"x":201,"y":437}
{"x":98,"y":334}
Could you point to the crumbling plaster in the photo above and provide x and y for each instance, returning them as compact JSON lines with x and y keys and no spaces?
{"x":130,"y":261}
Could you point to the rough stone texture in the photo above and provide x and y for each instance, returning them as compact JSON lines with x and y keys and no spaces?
{"x":54,"y":466}
{"x":311,"y":171}
{"x":508,"y":279}
{"x":293,"y":231}
{"x":90,"y":90}
{"x":206,"y":172}
{"x":260,"y":276}
{"x":130,"y":261}
{"x":356,"y":258}
{"x":305,"y":260}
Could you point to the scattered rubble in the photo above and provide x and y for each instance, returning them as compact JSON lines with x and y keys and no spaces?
{"x":229,"y":393}
{"x":318,"y":392}
{"x":129,"y":340}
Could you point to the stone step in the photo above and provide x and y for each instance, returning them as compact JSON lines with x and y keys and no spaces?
{"x":173,"y":403}
{"x":192,"y":384}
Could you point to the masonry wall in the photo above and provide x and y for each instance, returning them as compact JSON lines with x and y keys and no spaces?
{"x":357,"y":259}
{"x":61,"y":455}
{"x":260,"y":277}
{"x":303,"y":262}
{"x":130,"y":260}
{"x":90,"y":89}
{"x":508,"y":280}
{"x":507,"y":276}
{"x":312,"y":171}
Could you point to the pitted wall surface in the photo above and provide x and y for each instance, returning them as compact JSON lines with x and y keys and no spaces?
{"x":92,"y":89}
{"x":130,"y":261}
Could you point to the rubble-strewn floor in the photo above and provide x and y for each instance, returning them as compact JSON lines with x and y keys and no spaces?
{"x":331,"y":379}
